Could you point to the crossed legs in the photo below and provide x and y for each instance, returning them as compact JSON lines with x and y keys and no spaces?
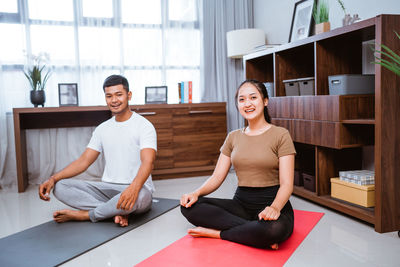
{"x":96,"y":201}
{"x":228,"y":219}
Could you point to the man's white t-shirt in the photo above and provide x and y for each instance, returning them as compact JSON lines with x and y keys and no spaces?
{"x":121,"y":143}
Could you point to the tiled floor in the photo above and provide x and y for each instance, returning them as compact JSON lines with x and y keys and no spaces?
{"x":337,"y":240}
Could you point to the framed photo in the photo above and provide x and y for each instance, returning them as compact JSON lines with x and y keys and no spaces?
{"x":301,"y":20}
{"x":156,"y":94}
{"x":68,"y":94}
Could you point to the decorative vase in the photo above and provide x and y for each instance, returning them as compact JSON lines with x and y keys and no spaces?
{"x":38,"y":97}
{"x":322,"y":27}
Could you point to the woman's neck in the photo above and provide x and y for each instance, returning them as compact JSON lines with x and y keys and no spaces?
{"x":257,"y":126}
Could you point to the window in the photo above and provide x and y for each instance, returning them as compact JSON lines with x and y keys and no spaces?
{"x":152,"y":43}
{"x":8,"y":6}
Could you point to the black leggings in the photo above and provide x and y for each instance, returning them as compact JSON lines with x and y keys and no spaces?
{"x":237,"y":218}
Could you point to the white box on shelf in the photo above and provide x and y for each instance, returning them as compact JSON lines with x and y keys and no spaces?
{"x":291,"y":87}
{"x":306,"y":86}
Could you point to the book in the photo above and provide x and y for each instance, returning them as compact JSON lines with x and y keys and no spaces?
{"x":180,"y":92}
{"x":186,"y":92}
{"x":190,"y":92}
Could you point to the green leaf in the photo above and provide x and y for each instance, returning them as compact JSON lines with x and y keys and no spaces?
{"x":389,"y":66}
{"x":395,"y":57}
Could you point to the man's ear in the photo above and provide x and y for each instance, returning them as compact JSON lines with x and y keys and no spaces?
{"x":129,"y":95}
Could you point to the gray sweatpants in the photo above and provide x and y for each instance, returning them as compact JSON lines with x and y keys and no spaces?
{"x":99,"y":198}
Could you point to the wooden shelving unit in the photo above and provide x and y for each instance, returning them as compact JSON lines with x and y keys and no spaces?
{"x":329,"y":130}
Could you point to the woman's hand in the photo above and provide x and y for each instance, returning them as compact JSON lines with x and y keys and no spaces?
{"x":187,"y":200}
{"x":269,"y":214}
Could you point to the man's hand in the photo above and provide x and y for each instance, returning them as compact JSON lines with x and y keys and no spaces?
{"x":45,"y":188}
{"x":128,"y":198}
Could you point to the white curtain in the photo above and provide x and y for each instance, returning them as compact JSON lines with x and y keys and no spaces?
{"x":222,"y":75}
{"x":151,"y":43}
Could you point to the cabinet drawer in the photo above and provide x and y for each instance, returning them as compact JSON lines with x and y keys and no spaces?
{"x":160,"y":118}
{"x":198,"y":134}
{"x":199,"y":121}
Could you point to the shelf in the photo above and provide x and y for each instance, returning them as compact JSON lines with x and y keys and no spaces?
{"x":337,"y":127}
{"x":359,"y":121}
{"x":365,"y":214}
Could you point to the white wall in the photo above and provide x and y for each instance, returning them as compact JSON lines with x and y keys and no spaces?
{"x":275,"y":16}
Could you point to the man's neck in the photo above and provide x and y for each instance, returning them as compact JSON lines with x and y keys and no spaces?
{"x":123,"y":116}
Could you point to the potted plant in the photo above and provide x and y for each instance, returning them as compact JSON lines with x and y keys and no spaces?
{"x":392,"y":62}
{"x":38,"y":79}
{"x":321,"y":17}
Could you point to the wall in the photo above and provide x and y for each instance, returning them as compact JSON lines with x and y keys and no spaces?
{"x":275,"y":17}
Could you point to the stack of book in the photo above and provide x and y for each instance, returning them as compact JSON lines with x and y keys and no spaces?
{"x":185,"y":92}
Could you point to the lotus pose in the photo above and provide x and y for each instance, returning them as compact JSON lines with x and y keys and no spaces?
{"x":129,"y":144}
{"x":260,"y":214}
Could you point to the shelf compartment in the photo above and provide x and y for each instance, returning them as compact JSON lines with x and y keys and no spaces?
{"x":364,"y":214}
{"x":295,"y":63}
{"x":261,"y":69}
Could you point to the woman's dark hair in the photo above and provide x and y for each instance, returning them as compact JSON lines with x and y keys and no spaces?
{"x":263,"y":92}
{"x":116,"y":80}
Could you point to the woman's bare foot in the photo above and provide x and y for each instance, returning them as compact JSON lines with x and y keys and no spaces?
{"x":122,"y":220}
{"x":274,"y":246}
{"x":70,"y":215}
{"x":204,"y":232}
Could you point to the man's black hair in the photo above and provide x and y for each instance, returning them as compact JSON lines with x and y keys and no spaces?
{"x":116,"y":80}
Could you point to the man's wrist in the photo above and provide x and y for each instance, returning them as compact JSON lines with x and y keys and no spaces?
{"x":53,"y":178}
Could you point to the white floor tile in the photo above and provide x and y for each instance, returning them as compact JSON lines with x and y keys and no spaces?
{"x":337,"y":240}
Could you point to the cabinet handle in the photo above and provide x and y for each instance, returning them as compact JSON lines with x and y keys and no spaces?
{"x":147,"y":113}
{"x":199,"y":111}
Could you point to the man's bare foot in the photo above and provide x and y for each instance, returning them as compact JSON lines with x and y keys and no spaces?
{"x":274,"y":246}
{"x":70,"y":215}
{"x":122,"y":220}
{"x":204,"y":232}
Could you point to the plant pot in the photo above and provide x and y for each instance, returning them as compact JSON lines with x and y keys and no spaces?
{"x":38,"y":97}
{"x":322,"y":27}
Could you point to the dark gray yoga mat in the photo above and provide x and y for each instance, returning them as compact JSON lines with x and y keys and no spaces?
{"x":51,"y":243}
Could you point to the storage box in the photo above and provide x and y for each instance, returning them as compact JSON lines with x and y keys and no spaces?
{"x":270,"y":89}
{"x":298,"y":178}
{"x":351,"y":84}
{"x":363,"y":195}
{"x":360,"y":177}
{"x":306,"y":86}
{"x":291,"y":87}
{"x":309,"y":182}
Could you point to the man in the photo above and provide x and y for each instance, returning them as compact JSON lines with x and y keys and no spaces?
{"x":129,"y":144}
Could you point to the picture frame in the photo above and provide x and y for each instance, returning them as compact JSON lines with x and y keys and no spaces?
{"x":68,"y":94}
{"x":302,"y":20}
{"x":156,"y":94}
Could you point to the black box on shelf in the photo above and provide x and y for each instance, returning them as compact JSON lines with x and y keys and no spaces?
{"x":298,"y":178}
{"x":309,"y":182}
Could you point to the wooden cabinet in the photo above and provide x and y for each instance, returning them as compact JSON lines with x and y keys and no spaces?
{"x":330,"y":130}
{"x":189,"y":136}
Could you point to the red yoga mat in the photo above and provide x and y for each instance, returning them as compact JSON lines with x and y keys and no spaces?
{"x":199,"y":252}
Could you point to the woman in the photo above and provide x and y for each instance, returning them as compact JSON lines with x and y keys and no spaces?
{"x":260,"y":214}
